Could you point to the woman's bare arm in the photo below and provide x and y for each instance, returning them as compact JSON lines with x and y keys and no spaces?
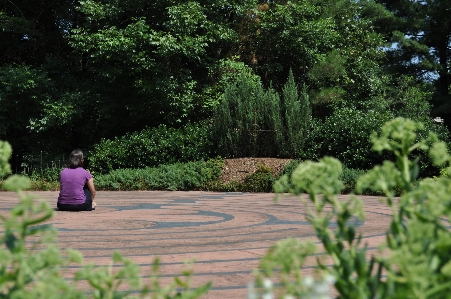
{"x":91,"y":188}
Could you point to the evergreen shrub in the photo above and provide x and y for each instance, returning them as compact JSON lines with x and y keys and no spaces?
{"x":251,"y":121}
{"x":151,"y":147}
{"x":178,"y":176}
{"x":349,"y":178}
{"x":261,"y":180}
{"x":345,"y":136}
{"x":346,"y":133}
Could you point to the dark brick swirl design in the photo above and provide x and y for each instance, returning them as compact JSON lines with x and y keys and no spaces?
{"x":226,"y":233}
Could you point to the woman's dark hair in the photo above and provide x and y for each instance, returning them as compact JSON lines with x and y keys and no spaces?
{"x":75,"y":159}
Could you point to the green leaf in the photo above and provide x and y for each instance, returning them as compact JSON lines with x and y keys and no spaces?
{"x":11,"y":241}
{"x":17,"y":183}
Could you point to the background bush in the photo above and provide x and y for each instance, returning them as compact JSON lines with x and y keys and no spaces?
{"x":345,"y":136}
{"x":427,"y":169}
{"x":261,"y":180}
{"x":151,"y":147}
{"x":41,"y":165}
{"x":47,"y":174}
{"x":248,"y":107}
{"x":178,"y":176}
{"x":346,"y":133}
{"x":349,"y":178}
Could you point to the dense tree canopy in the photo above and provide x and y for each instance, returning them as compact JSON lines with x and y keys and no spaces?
{"x":418,"y":35}
{"x":74,"y":72}
{"x":327,"y":44}
{"x":150,"y":60}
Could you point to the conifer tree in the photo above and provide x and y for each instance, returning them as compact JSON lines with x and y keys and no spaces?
{"x":251,"y":121}
{"x":297,"y":114}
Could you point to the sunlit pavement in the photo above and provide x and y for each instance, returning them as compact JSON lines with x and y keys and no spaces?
{"x":225,"y":233}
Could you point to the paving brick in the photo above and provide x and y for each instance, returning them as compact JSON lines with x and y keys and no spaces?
{"x":227,"y":233}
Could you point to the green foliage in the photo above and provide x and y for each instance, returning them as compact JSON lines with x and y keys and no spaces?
{"x":288,"y":35}
{"x":151,"y":147}
{"x":80,"y":71}
{"x":329,"y":45}
{"x":284,"y":261}
{"x":409,"y":99}
{"x":35,"y":108}
{"x":5,"y":154}
{"x":428,"y":169}
{"x":246,"y":107}
{"x":22,"y":90}
{"x":153,"y":56}
{"x":86,"y":70}
{"x":296,"y":113}
{"x":421,"y":34}
{"x":348,"y":175}
{"x":290,"y":167}
{"x":416,"y":254}
{"x":32,"y":266}
{"x":259,"y":181}
{"x":345,"y":135}
{"x":35,"y":272}
{"x":48,"y":174}
{"x":40,"y":185}
{"x":349,"y":178}
{"x":178,"y":176}
{"x":253,"y":122}
{"x":224,"y":73}
{"x":41,"y":165}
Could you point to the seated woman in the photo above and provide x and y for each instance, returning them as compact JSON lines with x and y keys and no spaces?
{"x":77,"y":190}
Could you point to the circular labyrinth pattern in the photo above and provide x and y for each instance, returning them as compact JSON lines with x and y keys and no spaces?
{"x":225,"y":233}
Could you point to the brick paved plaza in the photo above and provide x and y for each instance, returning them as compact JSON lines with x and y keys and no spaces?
{"x":227,"y":233}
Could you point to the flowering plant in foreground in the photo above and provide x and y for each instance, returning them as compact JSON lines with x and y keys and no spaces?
{"x":313,"y":289}
{"x":416,"y":259}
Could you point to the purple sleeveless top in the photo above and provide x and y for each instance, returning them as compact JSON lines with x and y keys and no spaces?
{"x":72,"y":182}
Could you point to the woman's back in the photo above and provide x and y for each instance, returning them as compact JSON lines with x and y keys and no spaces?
{"x":72,"y":181}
